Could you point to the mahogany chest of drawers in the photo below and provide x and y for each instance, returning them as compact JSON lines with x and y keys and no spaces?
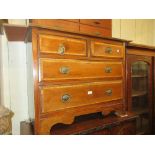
{"x":75,"y":74}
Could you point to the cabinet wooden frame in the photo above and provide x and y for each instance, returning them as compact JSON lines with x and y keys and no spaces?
{"x":144,"y":54}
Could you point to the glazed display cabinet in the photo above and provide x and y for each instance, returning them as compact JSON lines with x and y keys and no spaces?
{"x":139,"y":87}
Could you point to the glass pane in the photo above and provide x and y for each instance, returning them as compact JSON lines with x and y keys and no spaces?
{"x":140,"y":104}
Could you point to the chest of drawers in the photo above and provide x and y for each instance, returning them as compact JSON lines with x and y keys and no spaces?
{"x":75,"y":74}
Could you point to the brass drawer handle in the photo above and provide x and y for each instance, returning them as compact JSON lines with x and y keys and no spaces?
{"x":109,"y":92}
{"x":61,"y":49}
{"x":64,"y":70}
{"x":108,"y":69}
{"x":65,"y":98}
{"x":108,"y":50}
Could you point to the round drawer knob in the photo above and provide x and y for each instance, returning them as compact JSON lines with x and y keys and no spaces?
{"x":65,"y":98}
{"x":61,"y":49}
{"x":118,"y":51}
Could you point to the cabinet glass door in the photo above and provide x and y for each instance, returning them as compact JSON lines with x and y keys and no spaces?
{"x":140,"y":93}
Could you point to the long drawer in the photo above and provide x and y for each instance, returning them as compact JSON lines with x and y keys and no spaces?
{"x":59,"y":45}
{"x":63,"y":69}
{"x":58,"y":24}
{"x":66,"y":96}
{"x":102,"y":49}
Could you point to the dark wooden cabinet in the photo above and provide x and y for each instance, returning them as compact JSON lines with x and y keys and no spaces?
{"x":140,"y":86}
{"x":98,"y":27}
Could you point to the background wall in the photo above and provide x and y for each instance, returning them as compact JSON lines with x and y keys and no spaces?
{"x":18,"y":83}
{"x":4,"y":70}
{"x":14,"y":80}
{"x":139,"y":30}
{"x":13,"y":64}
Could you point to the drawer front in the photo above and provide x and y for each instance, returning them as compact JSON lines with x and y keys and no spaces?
{"x":60,"y":69}
{"x":57,"y":24}
{"x":73,"y":20}
{"x":101,"y":49}
{"x":105,"y":23}
{"x":67,"y":96}
{"x":97,"y":31}
{"x":62,"y":45}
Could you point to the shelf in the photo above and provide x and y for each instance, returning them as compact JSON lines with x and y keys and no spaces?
{"x":139,"y":76}
{"x":15,"y":32}
{"x":138,"y":93}
{"x":140,"y":111}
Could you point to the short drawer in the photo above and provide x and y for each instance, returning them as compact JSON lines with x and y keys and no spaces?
{"x":101,"y":49}
{"x":61,"y":69}
{"x":58,"y":45}
{"x":105,"y":23}
{"x":67,"y":96}
{"x":57,"y":24}
{"x":97,"y":31}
